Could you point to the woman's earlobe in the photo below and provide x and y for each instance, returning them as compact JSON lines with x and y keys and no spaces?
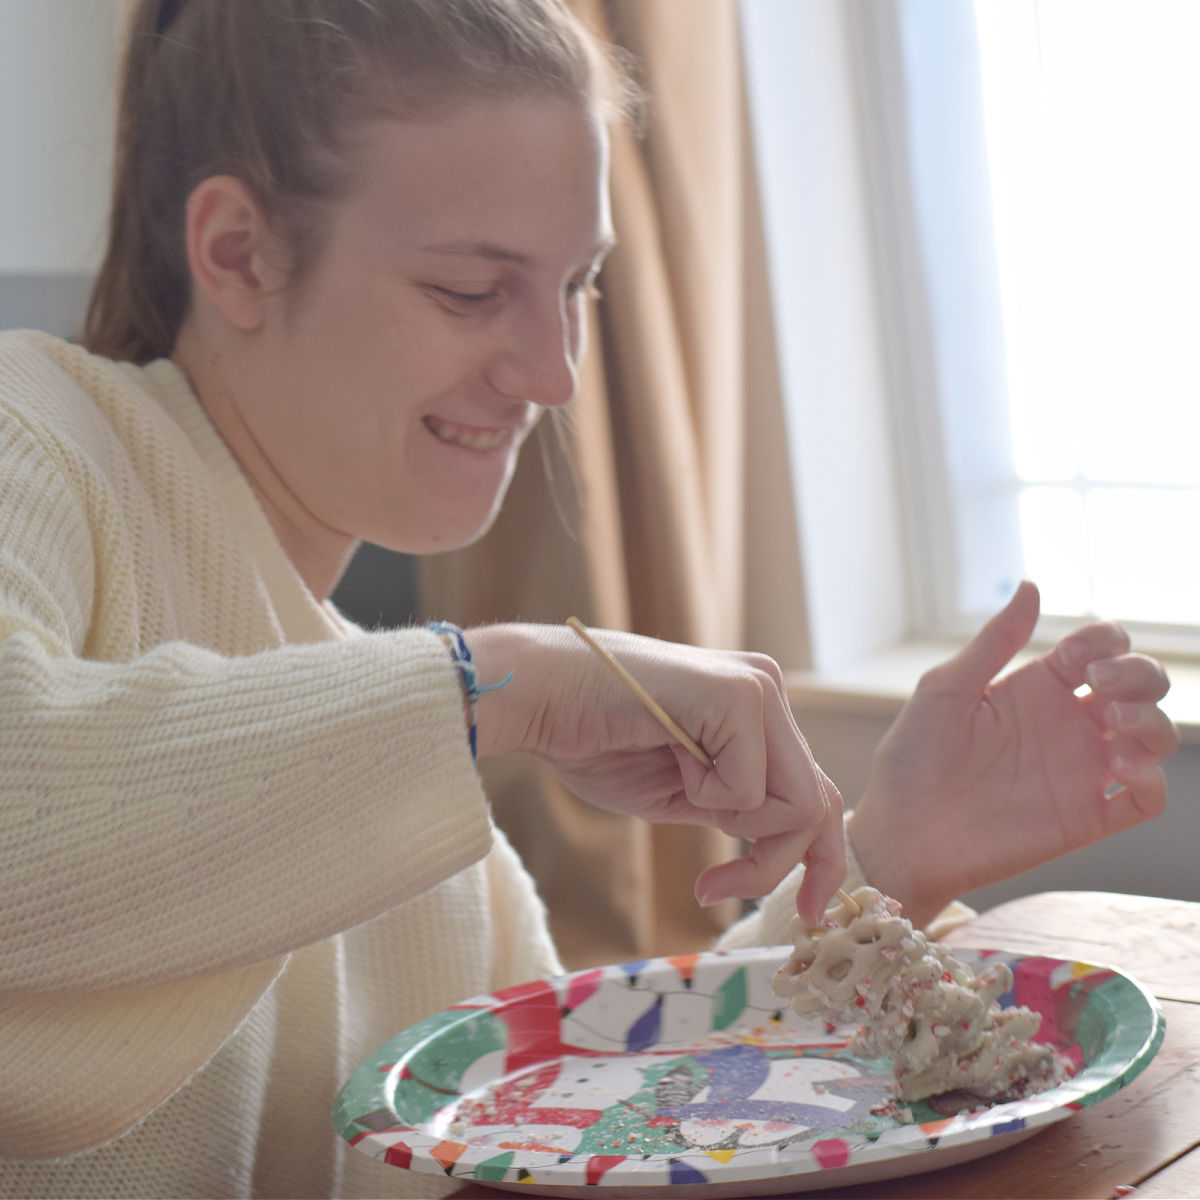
{"x":226,"y":247}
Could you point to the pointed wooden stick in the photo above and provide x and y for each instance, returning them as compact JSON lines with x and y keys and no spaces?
{"x":660,"y":714}
{"x":652,"y":706}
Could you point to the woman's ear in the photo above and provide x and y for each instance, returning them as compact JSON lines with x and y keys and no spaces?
{"x":234,"y":258}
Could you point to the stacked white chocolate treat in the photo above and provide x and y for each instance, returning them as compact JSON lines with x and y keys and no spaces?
{"x":916,"y":1004}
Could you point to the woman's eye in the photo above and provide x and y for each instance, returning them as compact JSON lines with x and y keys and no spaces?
{"x":465,"y":300}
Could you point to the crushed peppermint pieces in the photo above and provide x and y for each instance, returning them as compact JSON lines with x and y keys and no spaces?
{"x":916,"y":1004}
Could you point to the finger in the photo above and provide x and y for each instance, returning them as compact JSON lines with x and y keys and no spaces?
{"x":1131,"y":676}
{"x":780,"y":814}
{"x":793,"y":773}
{"x":774,"y":817}
{"x":820,"y":844}
{"x":826,"y":868}
{"x":1127,"y":755}
{"x":1070,"y":659}
{"x":1143,"y":796}
{"x":768,"y":667}
{"x":772,"y":670}
{"x":763,"y":754}
{"x":738,"y":746}
{"x":1141,"y":730}
{"x":974,"y":666}
{"x":763,"y":866}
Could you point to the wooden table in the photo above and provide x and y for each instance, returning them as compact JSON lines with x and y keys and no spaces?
{"x":1144,"y":1141}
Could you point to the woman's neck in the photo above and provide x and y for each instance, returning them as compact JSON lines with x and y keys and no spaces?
{"x":319,"y":553}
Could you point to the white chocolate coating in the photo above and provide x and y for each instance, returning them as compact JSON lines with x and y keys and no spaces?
{"x":917,"y":1004}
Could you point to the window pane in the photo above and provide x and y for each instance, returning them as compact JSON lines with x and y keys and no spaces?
{"x":1034,"y":205}
{"x":1142,"y":561}
{"x":1096,"y":231}
{"x":1055,"y":536}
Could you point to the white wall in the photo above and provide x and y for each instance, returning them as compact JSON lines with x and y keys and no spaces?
{"x":57,"y":67}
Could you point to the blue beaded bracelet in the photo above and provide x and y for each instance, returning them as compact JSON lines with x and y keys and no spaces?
{"x":461,"y":654}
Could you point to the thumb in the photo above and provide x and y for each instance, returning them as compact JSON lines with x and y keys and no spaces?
{"x":993,"y":647}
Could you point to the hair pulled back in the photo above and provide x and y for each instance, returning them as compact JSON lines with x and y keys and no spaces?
{"x":269,"y":91}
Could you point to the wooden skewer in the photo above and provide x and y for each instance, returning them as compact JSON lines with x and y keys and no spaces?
{"x":652,"y":706}
{"x":660,"y":714}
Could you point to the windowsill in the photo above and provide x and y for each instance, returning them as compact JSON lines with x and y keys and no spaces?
{"x":879,"y":686}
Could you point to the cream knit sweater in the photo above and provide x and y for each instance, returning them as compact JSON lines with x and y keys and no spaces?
{"x":242,"y":842}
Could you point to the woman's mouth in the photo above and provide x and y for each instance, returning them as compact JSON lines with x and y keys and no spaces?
{"x":471,"y":437}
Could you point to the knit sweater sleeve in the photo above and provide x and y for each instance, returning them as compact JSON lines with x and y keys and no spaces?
{"x":179,"y":812}
{"x":185,"y":813}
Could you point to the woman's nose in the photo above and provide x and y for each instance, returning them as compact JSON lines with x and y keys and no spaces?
{"x":540,"y":365}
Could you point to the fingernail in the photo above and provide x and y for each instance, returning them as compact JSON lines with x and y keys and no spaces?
{"x":1128,"y":770}
{"x":1121,"y":715}
{"x":1102,"y":674}
{"x":1122,"y":768}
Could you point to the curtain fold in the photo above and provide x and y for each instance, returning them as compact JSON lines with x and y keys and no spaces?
{"x":634,"y":515}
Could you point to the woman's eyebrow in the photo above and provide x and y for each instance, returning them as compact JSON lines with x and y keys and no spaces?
{"x":479,"y":249}
{"x":493,"y":251}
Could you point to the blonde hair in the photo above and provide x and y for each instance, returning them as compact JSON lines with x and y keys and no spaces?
{"x":269,"y":91}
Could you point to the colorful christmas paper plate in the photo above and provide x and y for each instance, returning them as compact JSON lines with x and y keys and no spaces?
{"x":688,"y":1073}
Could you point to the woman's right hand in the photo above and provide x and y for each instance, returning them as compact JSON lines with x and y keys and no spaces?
{"x":987,"y":774}
{"x":567,"y":707}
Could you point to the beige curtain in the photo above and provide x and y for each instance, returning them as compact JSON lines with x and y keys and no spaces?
{"x":636,"y":515}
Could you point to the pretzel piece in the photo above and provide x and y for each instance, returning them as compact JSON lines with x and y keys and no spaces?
{"x":915,"y":1003}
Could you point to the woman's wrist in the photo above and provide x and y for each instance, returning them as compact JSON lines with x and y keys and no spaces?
{"x":458,"y":645}
{"x":507,"y":720}
{"x":886,"y":862}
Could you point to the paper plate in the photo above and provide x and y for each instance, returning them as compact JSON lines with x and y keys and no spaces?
{"x":688,"y":1073}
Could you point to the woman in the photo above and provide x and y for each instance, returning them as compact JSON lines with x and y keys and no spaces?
{"x":243,"y":841}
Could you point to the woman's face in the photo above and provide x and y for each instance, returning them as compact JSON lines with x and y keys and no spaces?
{"x":391,"y":387}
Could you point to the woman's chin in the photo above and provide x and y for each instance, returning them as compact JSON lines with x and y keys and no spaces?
{"x":438,"y":538}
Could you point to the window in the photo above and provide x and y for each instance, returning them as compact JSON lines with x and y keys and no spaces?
{"x":1007,"y":245}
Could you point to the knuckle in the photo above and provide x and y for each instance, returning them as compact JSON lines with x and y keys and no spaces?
{"x":1161,"y":676}
{"x":748,"y":690}
{"x":833,"y":798}
{"x":935,"y":680}
{"x":765,"y":664}
{"x":1116,"y":633}
{"x":1173,"y":739}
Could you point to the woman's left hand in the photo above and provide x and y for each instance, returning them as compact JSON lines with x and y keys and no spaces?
{"x":980,"y":779}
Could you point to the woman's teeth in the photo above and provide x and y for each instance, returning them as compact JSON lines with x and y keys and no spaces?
{"x":463,"y":435}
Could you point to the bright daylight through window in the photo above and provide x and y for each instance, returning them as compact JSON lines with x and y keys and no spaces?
{"x":1023,"y":177}
{"x":1091,"y":109}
